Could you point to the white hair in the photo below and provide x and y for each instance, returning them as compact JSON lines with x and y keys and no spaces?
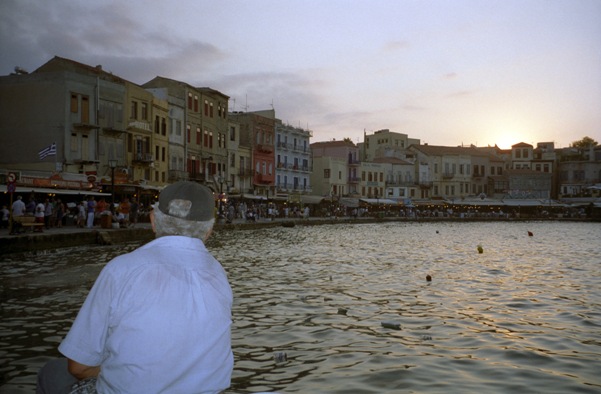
{"x":171,"y":225}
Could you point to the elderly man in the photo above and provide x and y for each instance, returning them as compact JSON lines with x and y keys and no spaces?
{"x":157,"y":319}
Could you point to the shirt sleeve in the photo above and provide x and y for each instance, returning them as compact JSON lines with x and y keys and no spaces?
{"x":85,"y":341}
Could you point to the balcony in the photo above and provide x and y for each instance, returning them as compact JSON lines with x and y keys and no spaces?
{"x":354,"y":179}
{"x":176,"y":175}
{"x":85,"y":126}
{"x":353,"y":162}
{"x":196,"y":176}
{"x":264,"y":179}
{"x":139,"y":126}
{"x":245,"y":172}
{"x":265,"y":148}
{"x":448,"y":175}
{"x":113,"y":131}
{"x":143,"y":158}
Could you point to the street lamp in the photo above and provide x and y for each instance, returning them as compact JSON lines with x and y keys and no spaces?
{"x":221,"y":208}
{"x":112,"y":165}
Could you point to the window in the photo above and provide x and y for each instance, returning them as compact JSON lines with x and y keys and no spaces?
{"x":163,"y":126}
{"x":206,"y":138}
{"x":74,"y":142}
{"x":156,"y":154}
{"x":211,"y":110}
{"x":195,"y":103}
{"x":74,"y":103}
{"x":156,"y":125}
{"x":546,"y":167}
{"x":188,"y":132}
{"x":163,"y":154}
{"x":206,"y":108}
{"x":85,"y":109}
{"x":436,"y":168}
{"x":133,"y":111}
{"x":326,"y":173}
{"x":178,"y":127}
{"x":232,"y":133}
{"x":198,"y":136}
{"x":190,"y":101}
{"x":144,"y":111}
{"x":518,"y":153}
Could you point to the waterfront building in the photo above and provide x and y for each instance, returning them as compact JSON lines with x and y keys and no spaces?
{"x":257,"y":134}
{"x":75,"y":109}
{"x":399,"y":179}
{"x":293,"y":160}
{"x":215,"y":126}
{"x":176,"y":140}
{"x":336,"y":169}
{"x":201,"y":114}
{"x":385,"y":143}
{"x":456,"y":172}
{"x":579,"y":171}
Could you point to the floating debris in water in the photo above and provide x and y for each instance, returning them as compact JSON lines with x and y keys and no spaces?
{"x":480,"y":249}
{"x":426,"y":337}
{"x":393,"y":325}
{"x":530,"y":233}
{"x":428,"y":278}
{"x":342,"y":311}
{"x":280,"y":357}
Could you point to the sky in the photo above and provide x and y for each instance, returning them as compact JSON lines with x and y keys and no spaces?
{"x":458,"y":72}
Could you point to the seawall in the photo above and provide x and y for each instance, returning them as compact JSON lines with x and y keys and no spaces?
{"x":73,"y":236}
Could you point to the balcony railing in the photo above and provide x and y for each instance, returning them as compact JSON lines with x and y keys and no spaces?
{"x":176,"y":175}
{"x":448,"y":175}
{"x":265,"y":148}
{"x":144,"y":158}
{"x":245,"y":172}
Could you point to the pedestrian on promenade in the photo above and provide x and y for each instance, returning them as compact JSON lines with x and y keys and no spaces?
{"x":40,"y":215}
{"x":18,"y":207}
{"x":133,"y":212}
{"x":124,"y":209}
{"x":5,"y":215}
{"x":49,"y":211}
{"x":90,"y":209}
{"x":157,"y":319}
{"x":81,"y":214}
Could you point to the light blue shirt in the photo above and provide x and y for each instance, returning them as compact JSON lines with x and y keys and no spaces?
{"x":157,"y":320}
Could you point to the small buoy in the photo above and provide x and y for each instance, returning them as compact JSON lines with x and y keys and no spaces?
{"x":394,"y":326}
{"x":530,"y":233}
{"x":428,"y":278}
{"x":480,"y":249}
{"x":280,"y":357}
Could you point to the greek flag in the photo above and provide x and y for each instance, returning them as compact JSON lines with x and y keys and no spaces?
{"x":48,"y":151}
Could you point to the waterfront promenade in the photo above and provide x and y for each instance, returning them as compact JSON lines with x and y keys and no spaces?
{"x":68,"y":236}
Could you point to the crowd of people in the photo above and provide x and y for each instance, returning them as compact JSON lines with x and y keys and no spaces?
{"x":52,"y":212}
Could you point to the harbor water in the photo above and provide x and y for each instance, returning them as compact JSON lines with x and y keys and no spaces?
{"x":347,"y":307}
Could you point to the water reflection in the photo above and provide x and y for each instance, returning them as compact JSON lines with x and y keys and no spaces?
{"x":523,"y":316}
